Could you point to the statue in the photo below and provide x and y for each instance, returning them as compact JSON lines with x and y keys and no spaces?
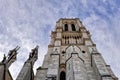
{"x":33,"y":53}
{"x":13,"y":52}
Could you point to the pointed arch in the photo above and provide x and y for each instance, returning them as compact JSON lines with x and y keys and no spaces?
{"x":62,"y":76}
{"x":66,"y":27}
{"x":71,"y":46}
{"x":73,"y":27}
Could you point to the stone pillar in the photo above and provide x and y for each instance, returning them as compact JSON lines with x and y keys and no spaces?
{"x":100,"y":67}
{"x":53,"y":67}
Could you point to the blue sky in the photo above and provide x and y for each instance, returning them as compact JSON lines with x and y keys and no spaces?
{"x":28,"y":23}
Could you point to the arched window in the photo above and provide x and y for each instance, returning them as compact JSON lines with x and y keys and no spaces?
{"x":66,"y":27}
{"x":62,"y":76}
{"x":73,"y":27}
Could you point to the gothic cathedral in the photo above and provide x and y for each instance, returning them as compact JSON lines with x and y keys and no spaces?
{"x":71,"y":55}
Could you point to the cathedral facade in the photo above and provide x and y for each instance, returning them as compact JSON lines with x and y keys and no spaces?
{"x":71,"y":55}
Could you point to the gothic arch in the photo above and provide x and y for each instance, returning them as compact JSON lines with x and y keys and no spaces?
{"x":72,"y":49}
{"x":62,"y":75}
{"x":71,"y":46}
{"x":66,"y":27}
{"x":73,"y":27}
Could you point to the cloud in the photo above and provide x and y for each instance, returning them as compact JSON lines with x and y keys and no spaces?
{"x":103,"y":27}
{"x":28,"y":23}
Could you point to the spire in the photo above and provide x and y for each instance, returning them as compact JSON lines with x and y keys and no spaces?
{"x":27,"y":69}
{"x":6,"y":62}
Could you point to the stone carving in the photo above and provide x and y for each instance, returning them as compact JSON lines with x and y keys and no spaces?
{"x":11,"y":57}
{"x":34,"y":53}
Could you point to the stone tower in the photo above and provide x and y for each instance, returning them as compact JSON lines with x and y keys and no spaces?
{"x":72,"y":55}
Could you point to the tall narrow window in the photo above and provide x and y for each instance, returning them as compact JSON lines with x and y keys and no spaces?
{"x":73,"y":27}
{"x":62,"y":76}
{"x":66,"y":27}
{"x":69,"y":66}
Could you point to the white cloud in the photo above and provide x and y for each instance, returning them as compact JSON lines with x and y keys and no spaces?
{"x":28,"y":23}
{"x":104,"y":34}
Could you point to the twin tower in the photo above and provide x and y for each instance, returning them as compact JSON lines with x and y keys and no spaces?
{"x":71,"y":55}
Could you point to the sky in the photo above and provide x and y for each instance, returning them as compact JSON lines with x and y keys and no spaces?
{"x":28,"y":23}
